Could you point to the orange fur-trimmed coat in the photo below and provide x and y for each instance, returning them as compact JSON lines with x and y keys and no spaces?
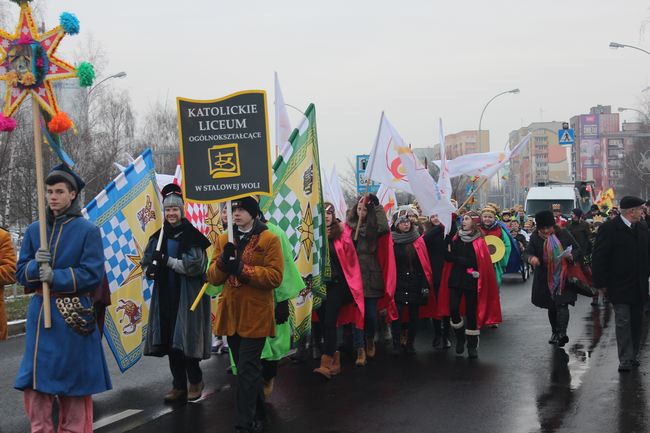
{"x":7,"y":275}
{"x":246,"y":304}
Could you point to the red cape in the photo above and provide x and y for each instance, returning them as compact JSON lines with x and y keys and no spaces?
{"x":347,"y":254}
{"x":489,"y":305}
{"x":386,"y":258}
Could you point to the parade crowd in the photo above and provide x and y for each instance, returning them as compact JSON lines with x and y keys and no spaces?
{"x":387,"y":276}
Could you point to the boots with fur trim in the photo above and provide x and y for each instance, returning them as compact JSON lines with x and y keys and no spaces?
{"x":472,"y":342}
{"x":460,"y":336}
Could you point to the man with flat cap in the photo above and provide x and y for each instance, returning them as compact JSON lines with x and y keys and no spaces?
{"x":66,"y":360}
{"x":621,"y":267}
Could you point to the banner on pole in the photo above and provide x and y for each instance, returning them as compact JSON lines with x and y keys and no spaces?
{"x":224,"y":144}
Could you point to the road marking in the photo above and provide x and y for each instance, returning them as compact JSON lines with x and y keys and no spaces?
{"x":115,"y":418}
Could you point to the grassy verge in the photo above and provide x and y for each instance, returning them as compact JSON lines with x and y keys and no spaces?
{"x":16,"y":307}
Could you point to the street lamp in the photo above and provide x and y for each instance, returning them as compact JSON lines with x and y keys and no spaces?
{"x":118,"y":75}
{"x":621,"y":109}
{"x":480,"y":121}
{"x":616,"y":45}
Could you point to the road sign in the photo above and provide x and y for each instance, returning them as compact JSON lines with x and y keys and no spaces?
{"x":566,"y":137}
{"x":362,"y":164}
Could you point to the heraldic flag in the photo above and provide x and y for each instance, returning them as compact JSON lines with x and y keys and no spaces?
{"x":296,"y":206}
{"x":127,"y":213}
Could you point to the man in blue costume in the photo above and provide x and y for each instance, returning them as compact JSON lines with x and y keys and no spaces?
{"x":67,"y":360}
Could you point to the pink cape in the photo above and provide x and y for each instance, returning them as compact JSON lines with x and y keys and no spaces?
{"x":347,"y":254}
{"x":488,"y":311}
{"x":386,"y":258}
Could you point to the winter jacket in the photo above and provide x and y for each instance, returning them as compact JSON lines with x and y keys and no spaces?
{"x":371,"y":271}
{"x":621,"y":261}
{"x":581,"y":233}
{"x":246,"y":305}
{"x":436,"y":243}
{"x":541,"y":294}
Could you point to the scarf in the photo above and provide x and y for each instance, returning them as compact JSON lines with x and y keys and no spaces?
{"x":556,"y":267}
{"x":406,"y":238}
{"x":469,"y":236}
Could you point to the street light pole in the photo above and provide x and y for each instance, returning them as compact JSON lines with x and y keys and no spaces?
{"x":118,"y":75}
{"x":616,"y":45}
{"x":621,"y":109}
{"x":480,"y":121}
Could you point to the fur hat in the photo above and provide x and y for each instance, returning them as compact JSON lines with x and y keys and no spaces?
{"x":544,"y":219}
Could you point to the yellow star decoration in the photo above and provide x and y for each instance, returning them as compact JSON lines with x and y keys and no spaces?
{"x":306,"y":230}
{"x":137,"y":270}
{"x":11,"y":45}
{"x":213,"y":221}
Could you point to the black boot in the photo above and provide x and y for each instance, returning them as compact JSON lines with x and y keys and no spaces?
{"x":397,"y":347}
{"x":472,"y":343}
{"x":446,"y":344}
{"x":437,"y":334}
{"x":554,"y":338}
{"x":460,"y":337}
{"x":562,"y":324}
{"x":410,"y":345}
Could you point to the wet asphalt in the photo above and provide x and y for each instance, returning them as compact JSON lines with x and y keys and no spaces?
{"x":519,"y":384}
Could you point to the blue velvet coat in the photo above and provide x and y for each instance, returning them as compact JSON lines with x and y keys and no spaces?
{"x":58,"y":360}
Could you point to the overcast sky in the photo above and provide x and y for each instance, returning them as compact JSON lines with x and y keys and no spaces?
{"x":417,"y":60}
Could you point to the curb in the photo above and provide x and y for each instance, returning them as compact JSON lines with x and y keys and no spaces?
{"x":16,"y":327}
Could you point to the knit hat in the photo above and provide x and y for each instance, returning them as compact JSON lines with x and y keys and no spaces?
{"x":63,"y":173}
{"x":544,"y":219}
{"x":577,"y":212}
{"x":629,"y":202}
{"x":249,"y":204}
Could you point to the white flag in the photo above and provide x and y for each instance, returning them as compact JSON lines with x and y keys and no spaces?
{"x":384,"y":164}
{"x":333,"y":193}
{"x":444,"y":180}
{"x":388,"y":200}
{"x":509,"y":155}
{"x":282,"y":123}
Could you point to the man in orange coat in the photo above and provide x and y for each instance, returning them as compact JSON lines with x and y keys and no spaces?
{"x":250,"y":269}
{"x":7,"y":275}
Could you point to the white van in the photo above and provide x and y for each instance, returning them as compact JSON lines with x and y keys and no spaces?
{"x":543,"y":197}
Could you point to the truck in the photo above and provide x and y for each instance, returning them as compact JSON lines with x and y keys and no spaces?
{"x":568,"y":195}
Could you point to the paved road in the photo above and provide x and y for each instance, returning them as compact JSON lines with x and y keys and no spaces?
{"x":519,"y":384}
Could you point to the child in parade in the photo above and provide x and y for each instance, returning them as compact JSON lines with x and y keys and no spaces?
{"x":178,"y":269}
{"x":345,"y":301}
{"x":490,"y":226}
{"x":250,"y":268}
{"x":549,"y":254}
{"x":469,"y":276}
{"x":436,"y":243}
{"x":414,"y":286}
{"x":376,"y":260}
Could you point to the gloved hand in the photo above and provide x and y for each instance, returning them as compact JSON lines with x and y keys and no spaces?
{"x":281,"y":312}
{"x":230,"y":259}
{"x":43,"y":256}
{"x":475,"y":275}
{"x":45,"y":273}
{"x":371,"y":201}
{"x":160,"y":258}
{"x":151,"y":272}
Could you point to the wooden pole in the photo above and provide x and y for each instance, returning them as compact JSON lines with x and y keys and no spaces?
{"x":40,"y":191}
{"x":364,"y":200}
{"x":474,"y":192}
{"x":230,"y":239}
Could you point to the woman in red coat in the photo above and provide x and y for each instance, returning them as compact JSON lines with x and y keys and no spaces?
{"x":468,"y":280}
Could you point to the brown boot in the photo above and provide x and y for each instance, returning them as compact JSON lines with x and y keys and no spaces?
{"x":335,"y":369}
{"x":268,"y":387}
{"x":175,"y":395}
{"x":371,"y":350}
{"x":361,"y":358}
{"x":325,"y":366}
{"x":195,"y":391}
